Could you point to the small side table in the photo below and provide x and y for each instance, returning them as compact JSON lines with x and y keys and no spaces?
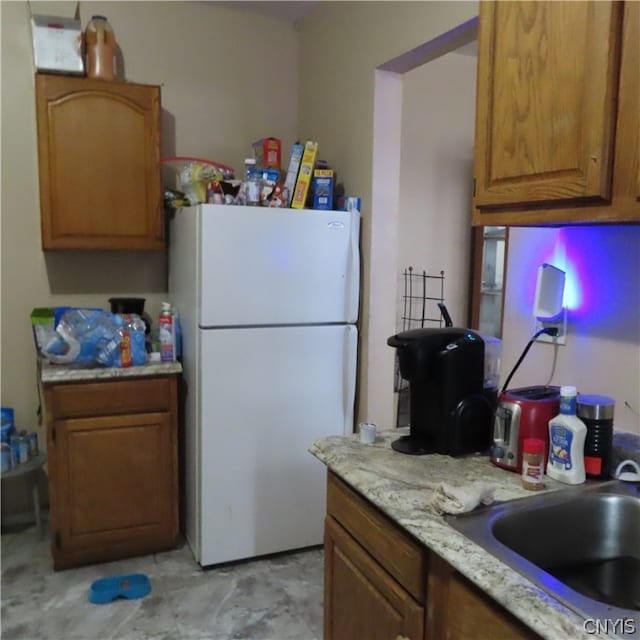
{"x":27,"y":468}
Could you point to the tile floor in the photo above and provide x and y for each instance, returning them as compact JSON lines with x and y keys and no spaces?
{"x":277,"y":598}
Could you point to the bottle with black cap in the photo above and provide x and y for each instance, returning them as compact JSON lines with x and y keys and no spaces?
{"x":597,"y":414}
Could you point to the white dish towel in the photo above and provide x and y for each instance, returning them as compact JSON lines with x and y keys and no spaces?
{"x":448,"y":498}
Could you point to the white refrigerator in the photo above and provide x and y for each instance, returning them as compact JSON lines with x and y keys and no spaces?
{"x":268,"y":301}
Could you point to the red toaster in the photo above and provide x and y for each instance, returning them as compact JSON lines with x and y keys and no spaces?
{"x":520,"y":414}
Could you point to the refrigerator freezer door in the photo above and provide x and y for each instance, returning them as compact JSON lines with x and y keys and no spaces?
{"x":263,"y":266}
{"x":266,"y":395}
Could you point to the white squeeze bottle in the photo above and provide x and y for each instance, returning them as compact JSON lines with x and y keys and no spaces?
{"x":567,"y":434}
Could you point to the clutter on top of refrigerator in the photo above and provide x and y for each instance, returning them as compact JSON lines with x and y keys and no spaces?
{"x":268,"y":152}
{"x":307,"y":182}
{"x":193,"y":175}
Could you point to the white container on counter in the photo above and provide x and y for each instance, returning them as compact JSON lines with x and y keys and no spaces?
{"x":567,"y":434}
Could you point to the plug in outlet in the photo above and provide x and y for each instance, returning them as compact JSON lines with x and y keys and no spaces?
{"x":560,"y":324}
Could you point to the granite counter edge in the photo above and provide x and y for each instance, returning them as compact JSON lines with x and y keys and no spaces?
{"x":60,"y":374}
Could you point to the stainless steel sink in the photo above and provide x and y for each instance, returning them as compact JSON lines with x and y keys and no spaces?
{"x":580,"y":545}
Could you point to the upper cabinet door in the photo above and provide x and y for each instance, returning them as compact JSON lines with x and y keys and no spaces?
{"x":99,"y":161}
{"x":546,"y":102}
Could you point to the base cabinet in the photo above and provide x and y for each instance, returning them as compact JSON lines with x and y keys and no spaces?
{"x":361,"y":600}
{"x":458,"y":610}
{"x":113,"y":477}
{"x":381,"y":584}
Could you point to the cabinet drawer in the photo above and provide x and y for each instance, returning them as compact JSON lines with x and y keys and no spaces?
{"x":402,"y":556}
{"x":141,"y":395}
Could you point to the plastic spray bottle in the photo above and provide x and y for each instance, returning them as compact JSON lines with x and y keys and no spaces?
{"x":567,"y":434}
{"x":166,"y":334}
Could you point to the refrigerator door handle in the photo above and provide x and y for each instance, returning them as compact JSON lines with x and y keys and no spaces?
{"x":354,"y":269}
{"x":349,"y":382}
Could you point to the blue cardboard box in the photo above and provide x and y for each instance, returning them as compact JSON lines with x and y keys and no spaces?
{"x":323,"y":189}
{"x":7,"y":426}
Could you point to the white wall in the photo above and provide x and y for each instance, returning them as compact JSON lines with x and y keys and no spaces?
{"x":217,"y":98}
{"x":602,"y":353}
{"x":337,"y":97}
{"x":438,"y":114}
{"x":342,"y":45}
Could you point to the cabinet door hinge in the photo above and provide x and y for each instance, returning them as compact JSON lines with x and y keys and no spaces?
{"x":474,"y":187}
{"x":53,"y":434}
{"x":57,"y":539}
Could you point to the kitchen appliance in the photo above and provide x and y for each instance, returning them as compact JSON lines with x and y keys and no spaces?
{"x":450,"y":412}
{"x":596,"y":411}
{"x":127,"y":305}
{"x":131,"y":305}
{"x":268,"y":300}
{"x":522,"y":413}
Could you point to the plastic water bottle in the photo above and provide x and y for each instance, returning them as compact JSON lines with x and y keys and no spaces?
{"x":253,"y":182}
{"x":166,"y":333}
{"x":567,"y":434}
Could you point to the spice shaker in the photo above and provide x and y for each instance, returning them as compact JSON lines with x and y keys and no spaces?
{"x":533,"y":455}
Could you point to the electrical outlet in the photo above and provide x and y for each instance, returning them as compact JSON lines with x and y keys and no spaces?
{"x":560,"y":325}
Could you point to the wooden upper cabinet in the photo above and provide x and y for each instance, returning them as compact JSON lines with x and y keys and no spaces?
{"x":557,"y":113}
{"x":547,"y":118}
{"x":99,"y":162}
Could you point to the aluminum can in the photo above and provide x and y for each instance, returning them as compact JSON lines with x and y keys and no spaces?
{"x":23,"y":449}
{"x":353,"y":203}
{"x":15,"y":449}
{"x":6,"y":457}
{"x":33,"y":444}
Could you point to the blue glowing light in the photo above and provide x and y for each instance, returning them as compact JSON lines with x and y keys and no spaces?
{"x":602,"y":266}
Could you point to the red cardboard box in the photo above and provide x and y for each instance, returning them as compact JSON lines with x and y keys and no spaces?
{"x":268,"y":153}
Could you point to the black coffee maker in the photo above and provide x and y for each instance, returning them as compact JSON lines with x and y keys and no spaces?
{"x":450,"y":413}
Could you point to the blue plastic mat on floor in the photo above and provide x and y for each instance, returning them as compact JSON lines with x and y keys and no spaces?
{"x":105,"y":590}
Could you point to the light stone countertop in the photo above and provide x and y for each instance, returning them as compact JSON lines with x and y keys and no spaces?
{"x":402,"y":485}
{"x":69,"y":373}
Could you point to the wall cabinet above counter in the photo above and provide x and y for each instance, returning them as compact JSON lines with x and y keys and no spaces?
{"x":99,"y":164}
{"x":557,"y":114}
